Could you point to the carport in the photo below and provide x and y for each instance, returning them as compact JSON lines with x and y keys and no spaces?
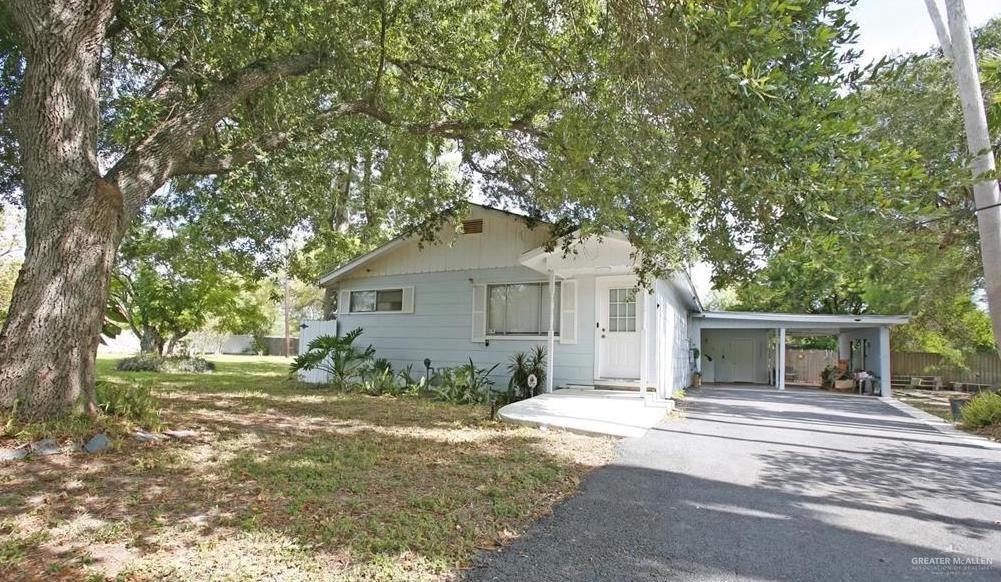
{"x":749,"y":348}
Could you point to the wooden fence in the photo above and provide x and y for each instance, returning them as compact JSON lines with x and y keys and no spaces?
{"x":803,"y":366}
{"x":978,"y":369}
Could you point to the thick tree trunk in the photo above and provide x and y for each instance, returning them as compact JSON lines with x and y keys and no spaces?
{"x":74,"y":217}
{"x":150,"y":342}
{"x":49,"y":341}
{"x":172,"y":342}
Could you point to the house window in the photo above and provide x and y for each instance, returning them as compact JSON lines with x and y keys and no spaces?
{"x":377,"y":300}
{"x":520,"y":309}
{"x":622,"y":310}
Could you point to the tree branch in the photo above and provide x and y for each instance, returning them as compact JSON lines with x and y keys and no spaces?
{"x":206,"y":164}
{"x":220,"y":163}
{"x":152,"y":161}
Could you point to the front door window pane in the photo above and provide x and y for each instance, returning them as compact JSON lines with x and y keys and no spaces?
{"x":622,"y":310}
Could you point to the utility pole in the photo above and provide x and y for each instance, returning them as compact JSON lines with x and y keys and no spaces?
{"x":957,"y":45}
{"x":285,"y":309}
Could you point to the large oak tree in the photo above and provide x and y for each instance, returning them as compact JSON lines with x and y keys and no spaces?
{"x":659,"y":119}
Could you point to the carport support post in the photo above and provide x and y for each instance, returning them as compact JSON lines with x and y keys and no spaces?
{"x":844,"y":346}
{"x":551,"y":356}
{"x":780,"y":357}
{"x":884,"y":362}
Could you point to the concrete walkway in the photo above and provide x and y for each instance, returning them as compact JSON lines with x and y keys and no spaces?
{"x":601,"y":412}
{"x":766,"y":485}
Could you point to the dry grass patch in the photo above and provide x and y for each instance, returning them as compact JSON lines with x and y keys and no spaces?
{"x":932,"y":403}
{"x":287,"y":481}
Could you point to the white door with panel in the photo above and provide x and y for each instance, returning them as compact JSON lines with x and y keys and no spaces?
{"x":619,"y":331}
{"x":738,"y":361}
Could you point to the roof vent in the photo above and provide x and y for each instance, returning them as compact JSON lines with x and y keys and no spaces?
{"x":472,"y":226}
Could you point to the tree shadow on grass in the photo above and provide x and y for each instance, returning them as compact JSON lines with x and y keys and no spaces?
{"x":344,"y":498}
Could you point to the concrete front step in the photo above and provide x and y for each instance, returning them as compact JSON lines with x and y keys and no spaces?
{"x":596,"y":412}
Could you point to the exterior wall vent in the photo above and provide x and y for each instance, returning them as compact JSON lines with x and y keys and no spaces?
{"x":472,"y":226}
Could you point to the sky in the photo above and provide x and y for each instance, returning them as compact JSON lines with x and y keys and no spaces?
{"x":888,"y":27}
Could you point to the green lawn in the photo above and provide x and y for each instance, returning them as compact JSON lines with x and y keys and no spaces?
{"x":285,"y":481}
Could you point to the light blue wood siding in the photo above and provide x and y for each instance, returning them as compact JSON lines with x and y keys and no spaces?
{"x":440,"y":326}
{"x":673,"y":345}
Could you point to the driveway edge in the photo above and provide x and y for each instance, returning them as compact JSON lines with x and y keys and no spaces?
{"x":940,"y":425}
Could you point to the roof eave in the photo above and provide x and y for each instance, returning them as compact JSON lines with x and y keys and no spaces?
{"x":805,"y":317}
{"x":330,"y":277}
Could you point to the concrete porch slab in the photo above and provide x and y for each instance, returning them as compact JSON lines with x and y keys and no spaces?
{"x":598,"y":412}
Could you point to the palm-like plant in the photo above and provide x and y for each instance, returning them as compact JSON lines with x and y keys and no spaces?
{"x":338,"y":357}
{"x":465,"y":384}
{"x":522,"y":365}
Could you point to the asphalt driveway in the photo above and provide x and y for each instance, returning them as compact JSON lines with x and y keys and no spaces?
{"x":765,"y":485}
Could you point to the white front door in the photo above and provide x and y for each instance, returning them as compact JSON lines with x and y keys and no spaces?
{"x":619,"y":331}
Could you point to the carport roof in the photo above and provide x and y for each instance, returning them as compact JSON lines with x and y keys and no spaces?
{"x":801,"y":320}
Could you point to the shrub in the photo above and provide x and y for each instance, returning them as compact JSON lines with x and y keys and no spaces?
{"x":173,"y":364}
{"x":133,"y":402}
{"x":410,"y":383}
{"x":259,"y":345}
{"x":380,"y":379}
{"x":140,"y":363}
{"x":522,"y":365}
{"x":187,"y":365}
{"x":338,"y":357}
{"x":465,"y":384}
{"x":982,"y":410}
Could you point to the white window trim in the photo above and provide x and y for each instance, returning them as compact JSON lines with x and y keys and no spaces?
{"x":400,"y":288}
{"x":518,"y":337}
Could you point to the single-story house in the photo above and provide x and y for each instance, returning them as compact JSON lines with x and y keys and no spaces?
{"x":495,"y":285}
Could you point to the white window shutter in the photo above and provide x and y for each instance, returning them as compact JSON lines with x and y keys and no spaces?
{"x":479,"y":313}
{"x":344,"y":302}
{"x":408,"y":300}
{"x":568,"y":312}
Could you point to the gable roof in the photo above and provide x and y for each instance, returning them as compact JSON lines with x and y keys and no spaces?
{"x":339,"y":272}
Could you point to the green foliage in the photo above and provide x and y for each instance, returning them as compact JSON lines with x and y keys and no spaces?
{"x":916,"y":252}
{"x":174,"y":276}
{"x":521,"y":365}
{"x":338,"y":357}
{"x":8,"y":275}
{"x":465,"y":384}
{"x":381,"y":381}
{"x":133,"y":402}
{"x":353,"y":369}
{"x":831,"y":373}
{"x":983,"y":410}
{"x":599,"y":115}
{"x":259,"y":345}
{"x":169,"y":364}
